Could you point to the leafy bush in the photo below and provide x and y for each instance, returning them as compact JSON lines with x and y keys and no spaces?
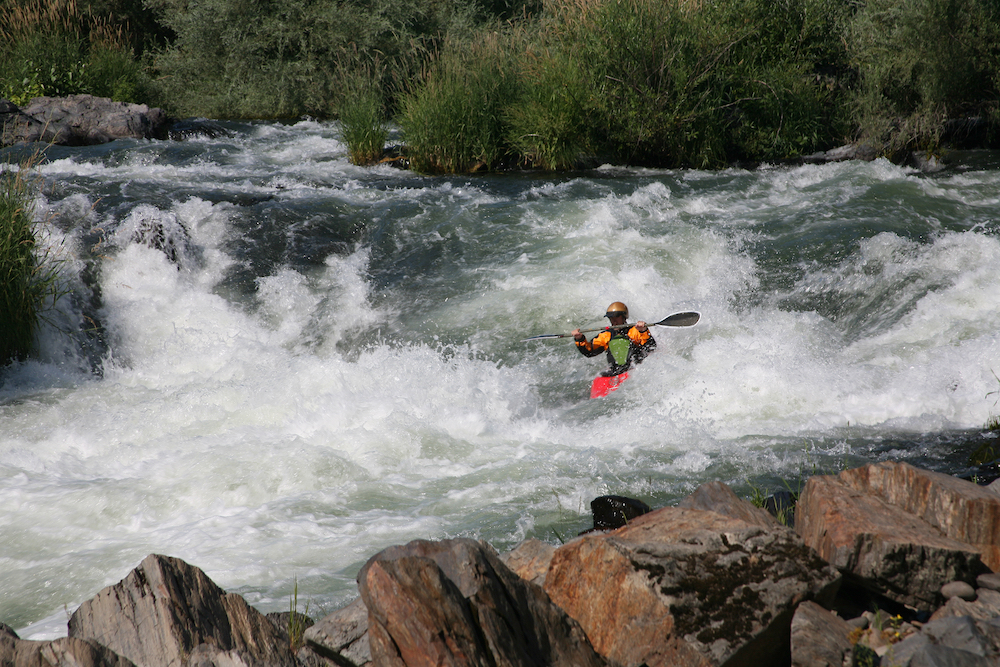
{"x":919,"y":63}
{"x":262,"y":59}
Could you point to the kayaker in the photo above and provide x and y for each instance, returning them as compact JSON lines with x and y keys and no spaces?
{"x":624,"y":345}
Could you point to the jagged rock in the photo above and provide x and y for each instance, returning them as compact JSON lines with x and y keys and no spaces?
{"x":79,"y":120}
{"x":689,"y":587}
{"x":530,"y":560}
{"x":958,"y":508}
{"x":718,"y":497}
{"x":819,"y":638}
{"x":342,"y":636}
{"x":879,"y":545}
{"x":455,"y":603}
{"x":168,"y":613}
{"x":64,"y":652}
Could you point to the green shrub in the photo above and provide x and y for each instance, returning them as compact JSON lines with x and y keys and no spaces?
{"x":701,"y":85}
{"x":27,"y":276}
{"x":919,"y":63}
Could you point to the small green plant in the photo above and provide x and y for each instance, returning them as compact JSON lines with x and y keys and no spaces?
{"x":297,"y":623}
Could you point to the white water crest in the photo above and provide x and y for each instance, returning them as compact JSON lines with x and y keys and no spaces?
{"x":272,"y":364}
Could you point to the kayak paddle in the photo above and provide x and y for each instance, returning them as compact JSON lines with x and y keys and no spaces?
{"x":687,"y":319}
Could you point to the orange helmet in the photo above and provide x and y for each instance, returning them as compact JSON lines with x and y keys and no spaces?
{"x":617,"y":308}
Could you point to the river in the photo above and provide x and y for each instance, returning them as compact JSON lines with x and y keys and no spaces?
{"x":272,"y":364}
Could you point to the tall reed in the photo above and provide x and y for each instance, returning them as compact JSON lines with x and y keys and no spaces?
{"x":27,"y":275}
{"x":361,"y":113}
{"x":454,"y":120}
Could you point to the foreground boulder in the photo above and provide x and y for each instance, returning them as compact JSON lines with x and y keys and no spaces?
{"x":168,"y":613}
{"x":689,"y":587}
{"x":888,"y":527}
{"x":342,"y":637}
{"x":455,"y":603}
{"x":79,"y":120}
{"x":65,"y":652}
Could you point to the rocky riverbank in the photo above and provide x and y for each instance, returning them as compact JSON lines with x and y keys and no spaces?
{"x":887,"y":564}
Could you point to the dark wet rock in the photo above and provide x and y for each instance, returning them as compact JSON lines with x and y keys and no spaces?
{"x":190,"y":128}
{"x":612,"y":512}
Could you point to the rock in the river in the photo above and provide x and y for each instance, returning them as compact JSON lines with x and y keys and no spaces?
{"x":455,"y":603}
{"x":167,"y":613}
{"x":79,"y":120}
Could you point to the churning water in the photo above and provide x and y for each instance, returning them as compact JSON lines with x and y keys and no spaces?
{"x":273,"y":364}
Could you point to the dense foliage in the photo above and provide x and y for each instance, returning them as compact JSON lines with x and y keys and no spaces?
{"x":488,"y":84}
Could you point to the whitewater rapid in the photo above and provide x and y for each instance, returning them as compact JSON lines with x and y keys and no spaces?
{"x":272,"y":364}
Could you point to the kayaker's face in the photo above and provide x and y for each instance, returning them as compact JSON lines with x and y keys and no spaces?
{"x":617,"y":320}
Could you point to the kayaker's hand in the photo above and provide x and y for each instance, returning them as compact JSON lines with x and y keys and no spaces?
{"x":577,"y":336}
{"x":640,"y":325}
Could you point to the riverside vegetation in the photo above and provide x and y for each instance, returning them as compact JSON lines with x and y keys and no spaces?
{"x":550,"y":84}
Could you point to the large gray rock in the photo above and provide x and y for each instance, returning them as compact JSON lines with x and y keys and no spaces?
{"x":455,"y":603}
{"x":79,"y":120}
{"x":64,"y":652}
{"x":167,"y":613}
{"x":342,"y":636}
{"x":881,"y":546}
{"x":689,"y":587}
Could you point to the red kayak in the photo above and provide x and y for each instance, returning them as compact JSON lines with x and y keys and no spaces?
{"x":602,"y":386}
